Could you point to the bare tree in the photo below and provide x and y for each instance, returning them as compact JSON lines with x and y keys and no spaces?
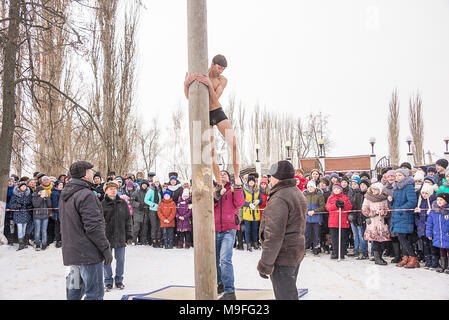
{"x":393,"y":129}
{"x":416,"y":123}
{"x":150,"y":145}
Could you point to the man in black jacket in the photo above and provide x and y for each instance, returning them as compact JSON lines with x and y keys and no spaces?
{"x":119,"y":232}
{"x":84,"y":242}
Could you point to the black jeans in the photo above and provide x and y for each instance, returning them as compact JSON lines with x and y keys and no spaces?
{"x":406,"y":244}
{"x":344,"y":240}
{"x":283,"y":279}
{"x":428,"y":249}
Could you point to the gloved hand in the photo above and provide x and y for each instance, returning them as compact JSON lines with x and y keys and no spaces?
{"x":340,"y":204}
{"x":107,"y":254}
{"x":129,"y":242}
{"x":252,"y":206}
{"x":190,"y":206}
{"x":256,"y":202}
{"x":263,"y":276}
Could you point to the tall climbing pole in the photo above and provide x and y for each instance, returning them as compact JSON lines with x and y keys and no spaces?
{"x":200,"y":150}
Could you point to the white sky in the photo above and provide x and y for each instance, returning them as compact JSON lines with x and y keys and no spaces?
{"x":343,"y":58}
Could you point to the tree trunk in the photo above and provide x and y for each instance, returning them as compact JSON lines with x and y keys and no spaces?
{"x":9,"y":106}
{"x":203,"y":213}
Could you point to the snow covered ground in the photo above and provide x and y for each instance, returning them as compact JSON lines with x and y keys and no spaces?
{"x":31,"y":275}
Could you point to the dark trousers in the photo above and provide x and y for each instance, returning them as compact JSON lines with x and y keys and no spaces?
{"x":57,"y":230}
{"x":428,"y":249}
{"x":379,"y":246}
{"x":155,"y":226}
{"x":140,"y":229}
{"x":168,"y":234}
{"x":344,"y":240}
{"x":283,"y":279}
{"x":406,"y":244}
{"x":444,"y":252}
{"x":240,"y":235}
{"x":185,"y":236}
{"x":312,"y":235}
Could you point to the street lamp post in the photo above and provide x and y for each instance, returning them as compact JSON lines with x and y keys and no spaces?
{"x":258,"y":166}
{"x":288,"y":145}
{"x":321,"y":156}
{"x":410,"y":157}
{"x":446,"y":153}
{"x":372,"y":142}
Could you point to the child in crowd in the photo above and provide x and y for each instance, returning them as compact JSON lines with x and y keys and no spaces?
{"x":336,"y":201}
{"x":167,"y":213}
{"x":437,"y":228}
{"x":314,"y":218}
{"x":375,"y":208}
{"x":251,"y":213}
{"x":54,"y":197}
{"x":423,"y":208}
{"x":184,"y":220}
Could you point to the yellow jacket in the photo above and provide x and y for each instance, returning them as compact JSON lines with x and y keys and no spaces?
{"x":251,"y":195}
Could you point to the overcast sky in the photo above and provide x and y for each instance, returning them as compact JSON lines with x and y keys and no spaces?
{"x":343,"y":58}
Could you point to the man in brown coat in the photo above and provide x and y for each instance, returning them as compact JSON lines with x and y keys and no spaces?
{"x":282,"y":232}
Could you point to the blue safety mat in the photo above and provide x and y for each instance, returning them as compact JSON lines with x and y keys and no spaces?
{"x":188,"y":293}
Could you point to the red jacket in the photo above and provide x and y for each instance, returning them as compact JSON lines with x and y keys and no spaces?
{"x":167,"y":210}
{"x":226,"y":210}
{"x":263,"y":204}
{"x":333,"y":210}
{"x":302,"y":183}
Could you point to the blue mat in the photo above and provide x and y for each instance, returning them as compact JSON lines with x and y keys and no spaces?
{"x":188,"y":293}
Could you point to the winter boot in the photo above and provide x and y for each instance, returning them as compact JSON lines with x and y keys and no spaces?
{"x":187,"y":245}
{"x":256,"y":245}
{"x":228,"y":296}
{"x":120,"y":286}
{"x":327,"y":249}
{"x":354,"y":253}
{"x":443,"y":265}
{"x":248,"y":247}
{"x":108,"y":287}
{"x":38,"y":247}
{"x":316,"y":252}
{"x":180,"y":245}
{"x":58,"y":244}
{"x":378,"y":259}
{"x":435,"y":262}
{"x":403,"y":262}
{"x":428,"y":260}
{"x":412,"y":263}
{"x":220,"y":288}
{"x":397,"y":252}
{"x":240,"y":246}
{"x":363,"y":256}
{"x":21,"y":244}
{"x":44,"y":246}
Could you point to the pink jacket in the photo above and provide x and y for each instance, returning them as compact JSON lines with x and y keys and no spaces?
{"x":226,"y":210}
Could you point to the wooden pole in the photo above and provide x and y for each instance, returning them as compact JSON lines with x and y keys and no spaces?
{"x":200,"y":149}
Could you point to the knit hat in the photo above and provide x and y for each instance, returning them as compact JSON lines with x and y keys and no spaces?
{"x":45,"y":178}
{"x":57,"y":183}
{"x":429,"y":178}
{"x":337,"y":185}
{"x":431,"y":169}
{"x":404,"y":172}
{"x":264,"y":180}
{"x":97,"y":174}
{"x":151,"y":174}
{"x":156,"y":178}
{"x":390,"y":173}
{"x":419,"y":175}
{"x":427,"y":188}
{"x":406,"y":164}
{"x":130,"y":184}
{"x":379,"y":186}
{"x":166,"y":192}
{"x":311,"y":183}
{"x":356,"y":179}
{"x":444,"y":195}
{"x":335,"y":175}
{"x":251,"y":178}
{"x":365,"y":182}
{"x":144,"y":181}
{"x":365,"y":174}
{"x":173,"y":178}
{"x":423,"y":168}
{"x":186,"y":193}
{"x":21,"y":183}
{"x":78,"y":169}
{"x":282,"y":170}
{"x":442,"y":162}
{"x":325,"y":181}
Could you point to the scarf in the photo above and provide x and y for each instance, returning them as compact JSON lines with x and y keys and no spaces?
{"x":375,"y":197}
{"x":401,"y":184}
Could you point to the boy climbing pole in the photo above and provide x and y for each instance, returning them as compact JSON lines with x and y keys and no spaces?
{"x":216,"y":84}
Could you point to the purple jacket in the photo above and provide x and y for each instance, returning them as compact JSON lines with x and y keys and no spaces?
{"x":226,"y":210}
{"x":184,"y":211}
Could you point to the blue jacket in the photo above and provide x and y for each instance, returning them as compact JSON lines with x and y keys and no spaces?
{"x":54,"y":197}
{"x":437,"y":226}
{"x":315,"y":202}
{"x":404,"y":197}
{"x":421,"y":217}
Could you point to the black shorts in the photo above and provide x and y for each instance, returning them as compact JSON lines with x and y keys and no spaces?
{"x":216,"y":116}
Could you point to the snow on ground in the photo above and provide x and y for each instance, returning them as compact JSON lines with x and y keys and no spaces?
{"x":31,"y":275}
